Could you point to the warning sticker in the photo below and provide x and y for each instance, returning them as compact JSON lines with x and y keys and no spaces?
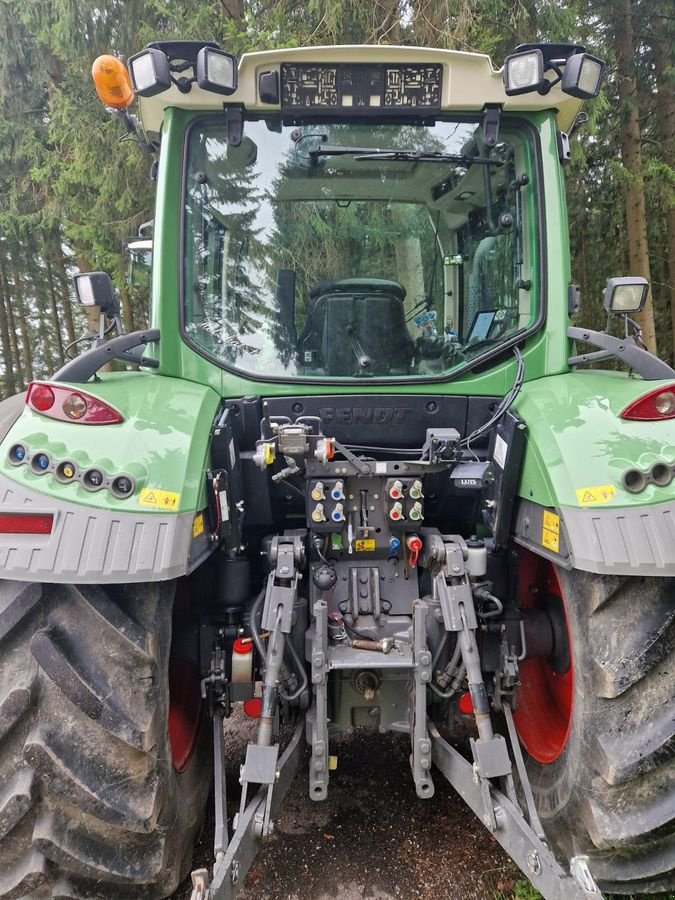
{"x":550,"y":531}
{"x":364,"y":545}
{"x":551,"y":521}
{"x":501,"y":448}
{"x":159,"y":499}
{"x":198,"y":525}
{"x":592,"y":496}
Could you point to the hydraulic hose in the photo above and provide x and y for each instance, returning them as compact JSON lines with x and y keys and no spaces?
{"x":456,"y":680}
{"x":253,"y":625}
{"x":300,"y":669}
{"x":270,"y":694}
{"x":439,"y":650}
{"x":257,"y":640}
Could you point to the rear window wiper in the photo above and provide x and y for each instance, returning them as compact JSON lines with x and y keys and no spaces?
{"x":368,"y":153}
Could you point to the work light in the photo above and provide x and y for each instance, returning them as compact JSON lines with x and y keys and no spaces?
{"x":625,"y":295}
{"x":96,"y":289}
{"x":583,"y":76}
{"x":523,"y":72}
{"x":216,"y":71}
{"x":150,"y":73}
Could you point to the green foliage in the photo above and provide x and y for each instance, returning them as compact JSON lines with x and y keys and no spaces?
{"x":523,"y":890}
{"x":69,"y":194}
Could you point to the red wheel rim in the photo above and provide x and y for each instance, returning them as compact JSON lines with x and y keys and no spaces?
{"x":185,"y":713}
{"x":544,"y":715}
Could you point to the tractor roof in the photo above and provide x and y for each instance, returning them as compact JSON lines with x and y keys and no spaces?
{"x":469,"y":82}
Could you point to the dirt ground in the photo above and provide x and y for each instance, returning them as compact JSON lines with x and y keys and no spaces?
{"x":372,"y":838}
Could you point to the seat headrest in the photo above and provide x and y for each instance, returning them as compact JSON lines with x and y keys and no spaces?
{"x":358,"y":286}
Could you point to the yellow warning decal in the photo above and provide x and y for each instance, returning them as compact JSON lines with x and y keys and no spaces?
{"x":550,"y":531}
{"x":592,"y":496}
{"x":551,"y":521}
{"x":198,"y":525}
{"x":364,"y":545}
{"x":159,"y":499}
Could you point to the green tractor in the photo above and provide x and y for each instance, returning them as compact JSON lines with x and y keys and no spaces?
{"x":357,"y":474}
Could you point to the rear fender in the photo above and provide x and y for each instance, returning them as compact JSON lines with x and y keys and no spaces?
{"x":573,"y":506}
{"x":155,"y":533}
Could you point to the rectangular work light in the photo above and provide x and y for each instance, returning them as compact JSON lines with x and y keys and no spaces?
{"x":96,"y":289}
{"x":523,"y":72}
{"x":625,"y":295}
{"x":150,"y":73}
{"x":582,"y":77}
{"x":217,"y":71}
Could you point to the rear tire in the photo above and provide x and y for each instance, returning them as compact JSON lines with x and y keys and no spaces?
{"x":91,"y":803}
{"x":609,"y":788}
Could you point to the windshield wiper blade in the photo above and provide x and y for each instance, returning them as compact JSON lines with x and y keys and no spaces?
{"x":366,"y":153}
{"x":429,"y":156}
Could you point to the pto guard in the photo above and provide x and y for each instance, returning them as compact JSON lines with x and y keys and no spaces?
{"x":573,"y":507}
{"x":156,"y":532}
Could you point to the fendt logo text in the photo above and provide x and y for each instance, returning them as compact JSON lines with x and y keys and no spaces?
{"x":364,"y":415}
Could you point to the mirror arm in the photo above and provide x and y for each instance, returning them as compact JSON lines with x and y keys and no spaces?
{"x":83,"y":367}
{"x":624,"y":349}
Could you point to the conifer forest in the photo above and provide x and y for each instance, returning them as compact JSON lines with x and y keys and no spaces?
{"x":70,"y":195}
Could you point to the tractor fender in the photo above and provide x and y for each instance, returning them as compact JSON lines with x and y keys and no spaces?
{"x":10,"y":410}
{"x":156,"y":532}
{"x":573,"y":505}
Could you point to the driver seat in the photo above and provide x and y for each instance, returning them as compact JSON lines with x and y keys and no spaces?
{"x":357,"y":327}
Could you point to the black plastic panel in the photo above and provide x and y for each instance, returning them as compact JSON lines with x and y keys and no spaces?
{"x":390,"y":88}
{"x":376,"y":419}
{"x":507,"y":444}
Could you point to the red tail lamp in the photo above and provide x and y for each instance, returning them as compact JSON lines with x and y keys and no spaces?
{"x":652,"y":407}
{"x":68,"y":405}
{"x":26,"y":523}
{"x":41,"y":397}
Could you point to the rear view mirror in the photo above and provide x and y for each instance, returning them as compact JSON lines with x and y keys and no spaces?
{"x":138,"y":255}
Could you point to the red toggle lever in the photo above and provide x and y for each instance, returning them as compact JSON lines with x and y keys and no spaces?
{"x":414,"y":545}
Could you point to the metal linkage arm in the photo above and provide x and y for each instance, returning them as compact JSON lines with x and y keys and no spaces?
{"x":513,"y":833}
{"x":453,"y":591}
{"x":230,"y":871}
{"x":288,"y":554}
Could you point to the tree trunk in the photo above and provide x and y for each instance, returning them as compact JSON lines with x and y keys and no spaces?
{"x":631,"y":152}
{"x":19,"y":301}
{"x":14,"y":341}
{"x":63,"y":279}
{"x":663,"y":65}
{"x":128,"y":316}
{"x":389,"y":29}
{"x":54,"y":308}
{"x":10,"y":383}
{"x":234,"y":10}
{"x":37,"y":275}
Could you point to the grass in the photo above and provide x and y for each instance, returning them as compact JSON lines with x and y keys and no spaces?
{"x":523,"y":890}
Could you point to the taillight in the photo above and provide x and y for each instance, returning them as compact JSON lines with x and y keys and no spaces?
{"x":652,"y":407}
{"x":26,"y":523}
{"x":68,"y":405}
{"x":41,"y":397}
